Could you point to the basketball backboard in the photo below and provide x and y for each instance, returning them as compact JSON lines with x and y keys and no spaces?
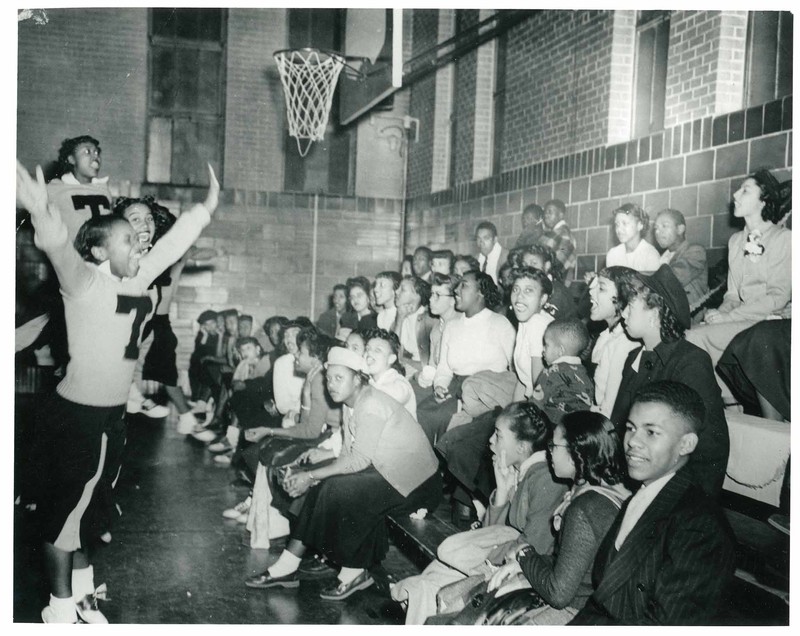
{"x":372,"y":44}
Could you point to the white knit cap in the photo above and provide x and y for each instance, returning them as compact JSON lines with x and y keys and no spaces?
{"x":345,"y":358}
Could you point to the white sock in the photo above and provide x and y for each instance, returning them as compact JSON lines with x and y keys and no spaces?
{"x":64,"y":609}
{"x":348,"y":574}
{"x":82,"y":583}
{"x":285,"y":565}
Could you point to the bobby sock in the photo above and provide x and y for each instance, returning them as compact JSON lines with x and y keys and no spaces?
{"x":285,"y":565}
{"x":348,"y":574}
{"x":82,"y":583}
{"x":64,"y":609}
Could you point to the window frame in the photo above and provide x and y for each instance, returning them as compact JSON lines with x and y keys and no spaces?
{"x":655,"y":22}
{"x":779,"y":60}
{"x":155,"y":41}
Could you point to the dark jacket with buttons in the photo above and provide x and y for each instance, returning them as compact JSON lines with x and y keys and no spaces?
{"x":673,"y":567}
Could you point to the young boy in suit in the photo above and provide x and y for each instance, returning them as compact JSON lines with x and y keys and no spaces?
{"x":670,"y":553}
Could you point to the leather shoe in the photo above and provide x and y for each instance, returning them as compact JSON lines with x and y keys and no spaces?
{"x":340,"y":591}
{"x":315,"y":567}
{"x":265,"y":581}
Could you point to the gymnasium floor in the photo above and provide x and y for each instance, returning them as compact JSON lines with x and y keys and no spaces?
{"x":174,"y":559}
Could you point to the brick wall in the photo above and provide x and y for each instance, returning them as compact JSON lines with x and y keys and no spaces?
{"x":705,"y":74}
{"x":254,"y":109}
{"x":84,"y":72}
{"x":423,"y":101}
{"x":557,"y":78}
{"x":464,"y":102}
{"x":694,"y":167}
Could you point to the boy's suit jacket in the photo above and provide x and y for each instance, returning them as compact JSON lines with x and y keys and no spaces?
{"x":673,"y":567}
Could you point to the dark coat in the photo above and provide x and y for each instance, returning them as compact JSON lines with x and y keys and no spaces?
{"x":681,"y":361}
{"x":673,"y":567}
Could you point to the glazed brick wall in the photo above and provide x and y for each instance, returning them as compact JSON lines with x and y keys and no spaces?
{"x":254,"y":110}
{"x":705,"y":73}
{"x":557,"y":76}
{"x":694,"y":167}
{"x":84,"y":72}
{"x":422,"y":105}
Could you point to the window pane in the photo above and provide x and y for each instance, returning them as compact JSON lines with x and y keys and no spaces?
{"x":159,"y":150}
{"x":162,"y":83}
{"x":659,"y":90}
{"x":645,"y":53}
{"x":163,"y":22}
{"x":785,"y":52}
{"x":209,"y":81}
{"x":193,"y":144}
{"x":764,"y":45}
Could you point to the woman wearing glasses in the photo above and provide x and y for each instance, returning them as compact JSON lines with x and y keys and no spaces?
{"x":587,"y":451}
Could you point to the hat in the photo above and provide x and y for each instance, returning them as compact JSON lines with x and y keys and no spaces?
{"x":208,"y":314}
{"x":665,"y":284}
{"x":345,"y":358}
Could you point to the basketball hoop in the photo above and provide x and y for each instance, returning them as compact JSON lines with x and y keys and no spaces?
{"x":309,"y":78}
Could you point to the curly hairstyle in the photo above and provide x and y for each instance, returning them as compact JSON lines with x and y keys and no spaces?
{"x":316,"y":342}
{"x":443,"y":279}
{"x":533,"y":274}
{"x":469,"y":259}
{"x":491,"y":295}
{"x":359,"y":334}
{"x":281,"y":321}
{"x":528,"y":424}
{"x":773,"y":194}
{"x":548,"y":256}
{"x":95,"y":233}
{"x":631,"y":209}
{"x":620,"y":276}
{"x":240,"y":342}
{"x":595,"y":447}
{"x":68,"y":147}
{"x":421,"y":288}
{"x":162,"y":217}
{"x":394,"y":344}
{"x":514,"y":257}
{"x":671,"y":329}
{"x":358,"y":281}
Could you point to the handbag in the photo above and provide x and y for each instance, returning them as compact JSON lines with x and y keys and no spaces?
{"x":485,"y":608}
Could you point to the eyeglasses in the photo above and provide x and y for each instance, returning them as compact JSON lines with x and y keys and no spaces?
{"x":438,"y":295}
{"x":551,"y":445}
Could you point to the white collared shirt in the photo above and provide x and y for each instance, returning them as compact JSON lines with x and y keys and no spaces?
{"x":71,"y":179}
{"x":492,"y":264}
{"x":639,"y":503}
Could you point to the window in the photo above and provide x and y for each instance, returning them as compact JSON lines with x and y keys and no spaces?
{"x":186,"y":95}
{"x":769,"y":56}
{"x":499,"y":101}
{"x":329,"y":165}
{"x":650,"y":79}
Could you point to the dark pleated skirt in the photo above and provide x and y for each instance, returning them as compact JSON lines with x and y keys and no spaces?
{"x":758,"y":360}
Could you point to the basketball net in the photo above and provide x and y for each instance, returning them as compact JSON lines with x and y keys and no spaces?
{"x":309,"y":79}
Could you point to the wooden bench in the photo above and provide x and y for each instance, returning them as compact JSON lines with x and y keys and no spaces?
{"x":423,"y":535}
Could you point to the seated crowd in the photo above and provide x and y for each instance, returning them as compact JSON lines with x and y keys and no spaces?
{"x":541,"y":409}
{"x":559,"y":422}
